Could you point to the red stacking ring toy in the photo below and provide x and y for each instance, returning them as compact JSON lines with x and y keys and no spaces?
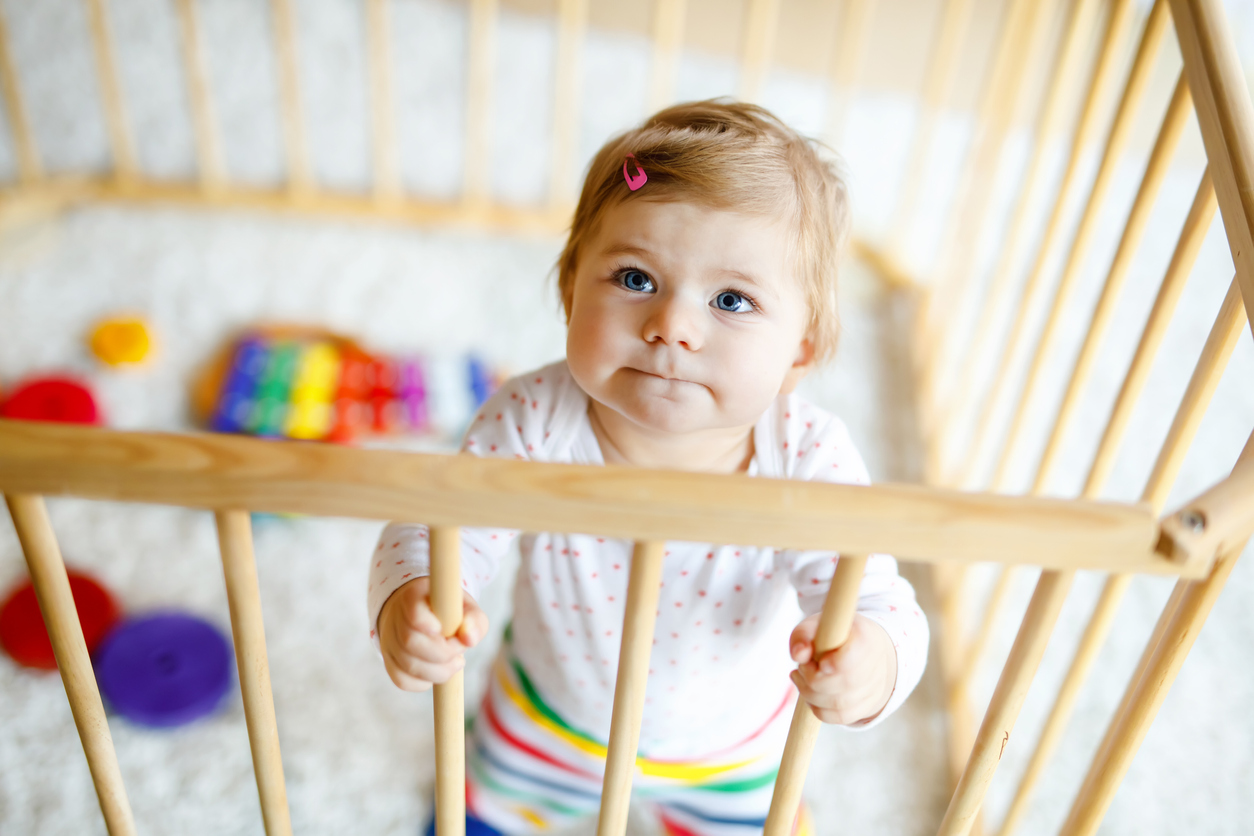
{"x":22,"y":631}
{"x":52,"y":399}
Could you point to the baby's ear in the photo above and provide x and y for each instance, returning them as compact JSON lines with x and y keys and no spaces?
{"x":800,"y":367}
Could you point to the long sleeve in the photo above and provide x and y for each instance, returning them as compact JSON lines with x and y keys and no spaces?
{"x":815,"y":446}
{"x":519,"y":421}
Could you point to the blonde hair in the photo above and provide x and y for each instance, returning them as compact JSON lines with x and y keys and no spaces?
{"x":734,"y":156}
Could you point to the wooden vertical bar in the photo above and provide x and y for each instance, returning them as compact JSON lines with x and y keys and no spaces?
{"x":29,"y":167}
{"x":450,"y":700}
{"x":1103,"y":76}
{"x":1003,"y":710}
{"x":299,"y":177}
{"x":1196,"y":225}
{"x":387,"y":181}
{"x":56,"y":603}
{"x":1229,"y":323}
{"x":483,"y":22}
{"x":851,"y":43}
{"x":1178,"y":628}
{"x":1086,"y":653}
{"x":208,"y":148}
{"x":757,"y":50}
{"x":239,"y":567}
{"x":938,"y":85}
{"x":1160,"y":159}
{"x":572,"y":23}
{"x":1197,"y":397}
{"x":668,"y":37}
{"x":839,"y":607}
{"x":1022,"y":33}
{"x":1052,"y":588}
{"x":1021,"y":36}
{"x":1156,"y":635}
{"x":125,"y":167}
{"x":951,"y":594}
{"x":1081,"y":19}
{"x":993,"y":610}
{"x":639,"y":617}
{"x":1120,"y":134}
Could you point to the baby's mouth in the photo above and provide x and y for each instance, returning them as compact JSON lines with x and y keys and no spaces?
{"x":660,"y":376}
{"x":671,"y":379}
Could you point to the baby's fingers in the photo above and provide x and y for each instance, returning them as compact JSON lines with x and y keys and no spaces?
{"x":474,"y":624}
{"x":401,"y":665}
{"x":400,"y":676}
{"x":840,"y":707}
{"x":418,"y":615}
{"x":801,"y":642}
{"x":435,"y":650}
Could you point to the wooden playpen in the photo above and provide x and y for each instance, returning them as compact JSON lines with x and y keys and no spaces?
{"x":936,"y":524}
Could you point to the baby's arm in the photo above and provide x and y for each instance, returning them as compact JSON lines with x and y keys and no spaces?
{"x":867,"y":678}
{"x":864,"y":681}
{"x":414,"y":651}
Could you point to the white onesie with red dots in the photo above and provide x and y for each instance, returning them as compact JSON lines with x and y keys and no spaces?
{"x":720,"y":664}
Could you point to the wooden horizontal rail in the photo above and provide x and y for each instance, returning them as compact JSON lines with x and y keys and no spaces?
{"x":72,"y":190}
{"x":221,"y":471}
{"x":37,"y":201}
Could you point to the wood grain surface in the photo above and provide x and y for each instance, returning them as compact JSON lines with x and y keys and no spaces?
{"x":220,"y":472}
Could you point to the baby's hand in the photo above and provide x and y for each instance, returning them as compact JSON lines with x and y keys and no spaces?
{"x":852,"y":683}
{"x":415,"y":652}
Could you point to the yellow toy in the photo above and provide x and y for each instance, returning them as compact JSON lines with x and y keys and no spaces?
{"x":121,"y":341}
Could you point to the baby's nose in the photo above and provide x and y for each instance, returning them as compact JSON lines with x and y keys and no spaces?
{"x":675,"y":322}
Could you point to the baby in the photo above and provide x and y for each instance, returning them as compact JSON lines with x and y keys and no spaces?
{"x":698,"y":282}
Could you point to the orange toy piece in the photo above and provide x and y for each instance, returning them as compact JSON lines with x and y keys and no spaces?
{"x":121,"y":341}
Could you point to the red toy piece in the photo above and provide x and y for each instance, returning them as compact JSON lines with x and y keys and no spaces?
{"x":352,"y":410}
{"x":52,"y":399}
{"x":22,"y":631}
{"x":382,"y":382}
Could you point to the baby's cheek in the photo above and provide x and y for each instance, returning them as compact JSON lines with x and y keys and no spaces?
{"x":754,"y":377}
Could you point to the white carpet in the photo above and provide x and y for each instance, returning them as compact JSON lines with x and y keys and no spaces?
{"x":357,"y":752}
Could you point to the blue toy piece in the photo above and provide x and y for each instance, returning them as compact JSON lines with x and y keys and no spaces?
{"x":482,"y":384}
{"x":164,"y":669}
{"x":235,"y":405}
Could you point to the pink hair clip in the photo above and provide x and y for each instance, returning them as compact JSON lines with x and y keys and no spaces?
{"x":640,"y":177}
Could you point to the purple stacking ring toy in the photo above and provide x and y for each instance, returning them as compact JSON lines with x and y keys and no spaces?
{"x":164,"y":669}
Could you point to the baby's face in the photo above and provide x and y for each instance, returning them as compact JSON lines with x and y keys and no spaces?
{"x":685,"y":318}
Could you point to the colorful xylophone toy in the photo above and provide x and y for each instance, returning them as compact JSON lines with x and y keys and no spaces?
{"x":299,"y":384}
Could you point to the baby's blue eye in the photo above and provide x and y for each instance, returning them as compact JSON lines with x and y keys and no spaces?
{"x":731,"y":301}
{"x":635,"y":280}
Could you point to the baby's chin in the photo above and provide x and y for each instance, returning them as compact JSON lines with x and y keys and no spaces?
{"x":675,"y":416}
{"x":670,"y":407}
